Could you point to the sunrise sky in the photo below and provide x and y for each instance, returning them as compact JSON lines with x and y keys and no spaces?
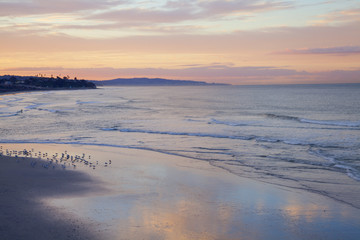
{"x":238,"y":42}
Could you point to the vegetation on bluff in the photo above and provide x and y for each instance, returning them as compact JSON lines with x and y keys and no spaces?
{"x":21,"y":83}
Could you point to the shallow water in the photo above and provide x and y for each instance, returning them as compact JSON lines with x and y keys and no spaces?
{"x":305,"y":137}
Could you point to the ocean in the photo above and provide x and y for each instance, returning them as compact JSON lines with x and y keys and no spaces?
{"x":295,"y":136}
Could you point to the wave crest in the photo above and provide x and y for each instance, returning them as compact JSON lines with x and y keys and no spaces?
{"x":312,"y":121}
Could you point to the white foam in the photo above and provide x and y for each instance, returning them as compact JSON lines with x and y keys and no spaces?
{"x":295,"y":142}
{"x":265,"y":139}
{"x":186,"y":134}
{"x":343,"y":167}
{"x":109,"y":129}
{"x":332,"y":123}
{"x":193,"y":120}
{"x":350,"y":171}
{"x":353,"y":176}
{"x":228,"y":123}
{"x":318,"y":122}
{"x":87,"y":102}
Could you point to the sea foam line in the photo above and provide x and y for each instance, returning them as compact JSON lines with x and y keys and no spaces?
{"x":219,"y":136}
{"x":228,"y":123}
{"x":181,"y":133}
{"x":311,"y":121}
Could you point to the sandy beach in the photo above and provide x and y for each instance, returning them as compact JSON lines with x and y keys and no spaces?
{"x":179,"y":120}
{"x":25,"y":216}
{"x":138,"y":194}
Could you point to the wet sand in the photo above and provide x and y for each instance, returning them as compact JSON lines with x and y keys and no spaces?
{"x":24,"y":215}
{"x":148,"y":195}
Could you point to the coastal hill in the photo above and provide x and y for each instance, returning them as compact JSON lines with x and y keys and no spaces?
{"x":151,"y":82}
{"x":12,"y":83}
{"x":9,"y":83}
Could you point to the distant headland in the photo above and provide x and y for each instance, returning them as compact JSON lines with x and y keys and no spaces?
{"x":11,"y":83}
{"x":151,"y":82}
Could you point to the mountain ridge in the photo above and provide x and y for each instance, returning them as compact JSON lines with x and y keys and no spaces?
{"x":152,"y":82}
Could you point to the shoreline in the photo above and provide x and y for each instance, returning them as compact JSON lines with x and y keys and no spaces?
{"x":41,"y":90}
{"x":334,"y":196}
{"x":144,"y":195}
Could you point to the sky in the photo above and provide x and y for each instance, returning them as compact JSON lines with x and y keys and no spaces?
{"x":230,"y":41}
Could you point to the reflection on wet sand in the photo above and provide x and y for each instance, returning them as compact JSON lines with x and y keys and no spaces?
{"x":309,"y":212}
{"x":156,"y":196}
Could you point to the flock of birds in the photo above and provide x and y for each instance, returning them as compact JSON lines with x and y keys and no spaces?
{"x":62,"y":160}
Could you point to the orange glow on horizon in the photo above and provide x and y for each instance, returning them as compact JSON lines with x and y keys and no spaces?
{"x":175,"y":41}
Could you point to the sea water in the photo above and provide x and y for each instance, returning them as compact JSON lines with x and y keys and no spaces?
{"x":300,"y":136}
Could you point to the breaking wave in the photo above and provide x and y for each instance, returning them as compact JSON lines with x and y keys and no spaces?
{"x":181,"y":133}
{"x":312,"y":121}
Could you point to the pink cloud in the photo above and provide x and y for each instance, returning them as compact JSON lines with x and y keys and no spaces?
{"x":25,"y":8}
{"x":148,"y":16}
{"x":226,"y":7}
{"x":179,"y":11}
{"x":342,"y":50}
{"x":339,"y":16}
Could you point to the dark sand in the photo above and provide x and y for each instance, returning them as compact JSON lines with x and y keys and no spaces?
{"x":25,"y":216}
